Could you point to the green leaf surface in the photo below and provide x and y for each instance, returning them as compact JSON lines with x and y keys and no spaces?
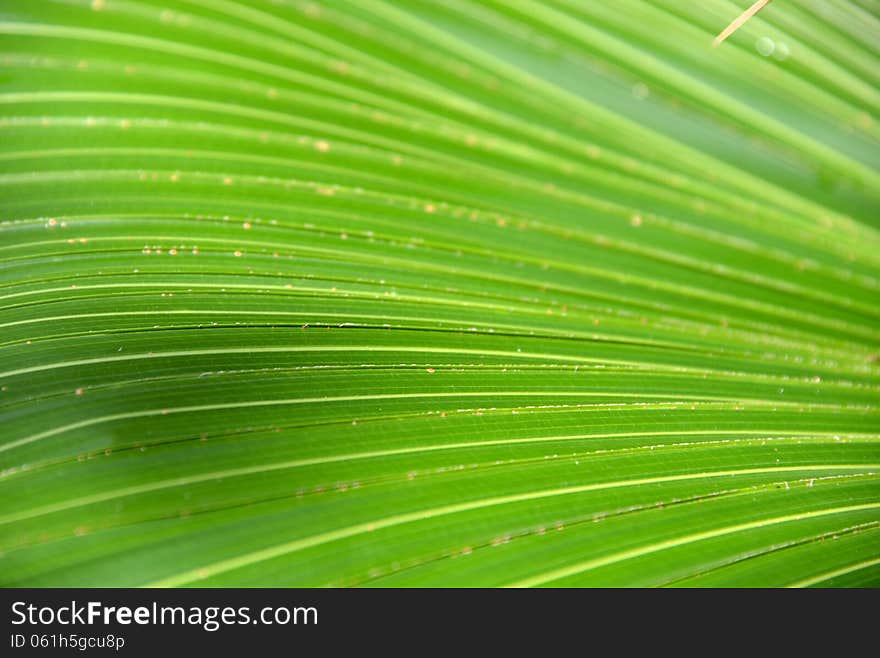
{"x":459,"y":292}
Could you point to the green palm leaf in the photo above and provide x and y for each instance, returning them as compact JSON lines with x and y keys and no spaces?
{"x":439,"y":293}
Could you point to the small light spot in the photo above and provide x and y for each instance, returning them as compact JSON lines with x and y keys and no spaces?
{"x":322,"y":146}
{"x":636,"y":220}
{"x":173,"y":252}
{"x":765,"y":46}
{"x":236,"y":253}
{"x":79,"y":391}
{"x":431,"y":371}
{"x":781,"y":52}
{"x":98,"y":5}
{"x":227,"y":180}
{"x":271,"y":93}
{"x":174,"y":177}
{"x":430,"y":207}
{"x":125,"y":124}
{"x":246,"y":226}
{"x":52,"y":221}
{"x":640,"y":91}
